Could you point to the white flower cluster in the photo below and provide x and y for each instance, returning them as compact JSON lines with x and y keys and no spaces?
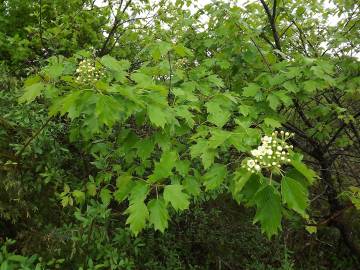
{"x":87,"y":73}
{"x":272,"y":153}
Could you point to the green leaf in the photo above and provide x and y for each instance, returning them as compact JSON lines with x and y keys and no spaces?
{"x":124,"y":185}
{"x":164,"y":167}
{"x":183,"y":112}
{"x":268,"y":210}
{"x":310,"y":86}
{"x":17,"y":258}
{"x":245,"y":109}
{"x":291,"y":87}
{"x":144,"y":148}
{"x":159,"y":215}
{"x":138,"y":215}
{"x":218,"y":137}
{"x":274,"y":101}
{"x":272,"y":122}
{"x":67,"y":104}
{"x":55,"y":70}
{"x":251,"y":90}
{"x":105,"y":196}
{"x":79,"y":196}
{"x":157,"y":116}
{"x":202,"y":150}
{"x":219,"y":110}
{"x":192,"y":186}
{"x":139,"y":192}
{"x":115,"y":65}
{"x":160,"y":49}
{"x":294,"y":195}
{"x":174,"y":195}
{"x":241,"y":177}
{"x":107,"y":110}
{"x":182,"y":167}
{"x":91,"y":189}
{"x":309,"y":174}
{"x":143,"y":80}
{"x":31,"y":92}
{"x":215,"y":176}
{"x":181,"y":50}
{"x":215,"y":80}
{"x":285,"y":99}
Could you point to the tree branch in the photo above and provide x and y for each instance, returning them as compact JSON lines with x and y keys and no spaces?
{"x":337,"y":133}
{"x":33,"y":137}
{"x":262,"y":55}
{"x":114,"y":27}
{"x":271,"y":18}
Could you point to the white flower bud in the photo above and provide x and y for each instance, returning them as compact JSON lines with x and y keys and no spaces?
{"x":250,"y":163}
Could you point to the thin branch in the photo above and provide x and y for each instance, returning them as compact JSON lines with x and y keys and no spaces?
{"x":262,"y":55}
{"x":302,"y":114}
{"x":271,"y":18}
{"x":33,"y":137}
{"x":301,"y":33}
{"x":337,"y":133}
{"x":114,"y":27}
{"x":286,"y":29}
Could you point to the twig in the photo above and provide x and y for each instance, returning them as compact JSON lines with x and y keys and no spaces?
{"x":262,"y":55}
{"x":33,"y":137}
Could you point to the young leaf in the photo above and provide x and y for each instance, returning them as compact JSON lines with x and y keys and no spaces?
{"x":192,"y":186}
{"x":164,"y":167}
{"x":107,"y":110}
{"x":241,"y":177}
{"x":268,"y":210}
{"x":174,"y":195}
{"x":274,"y":101}
{"x":105,"y":196}
{"x":159,"y":215}
{"x":215,"y":176}
{"x":302,"y":168}
{"x":157,"y":116}
{"x":219,"y":110}
{"x":79,"y":196}
{"x":138,"y":214}
{"x":138,"y":192}
{"x":160,"y":49}
{"x":272,"y":122}
{"x":31,"y":92}
{"x":251,"y":90}
{"x":124,"y":184}
{"x":294,"y":195}
{"x":91,"y":189}
{"x":218,"y":137}
{"x":113,"y":64}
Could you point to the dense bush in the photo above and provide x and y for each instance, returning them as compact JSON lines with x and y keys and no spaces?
{"x":162,"y":135}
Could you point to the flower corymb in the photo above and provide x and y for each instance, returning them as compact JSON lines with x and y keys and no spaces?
{"x":272,"y":153}
{"x":88,"y":73}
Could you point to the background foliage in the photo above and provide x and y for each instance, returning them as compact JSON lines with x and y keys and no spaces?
{"x":127,"y":130}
